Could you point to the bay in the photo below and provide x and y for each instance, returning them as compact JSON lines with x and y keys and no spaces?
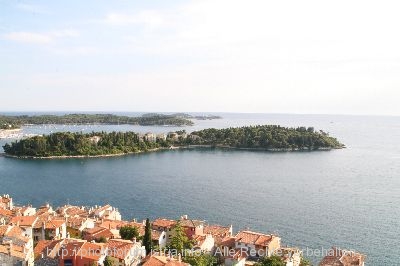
{"x":348,"y":198}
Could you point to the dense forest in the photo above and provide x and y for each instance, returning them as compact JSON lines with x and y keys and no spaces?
{"x":144,"y":120}
{"x":268,"y":137}
{"x":75,"y":144}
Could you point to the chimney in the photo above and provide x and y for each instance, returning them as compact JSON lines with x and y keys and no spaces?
{"x":179,"y":257}
{"x":134,"y":240}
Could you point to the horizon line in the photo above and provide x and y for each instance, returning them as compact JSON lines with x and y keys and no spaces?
{"x":205,"y":112}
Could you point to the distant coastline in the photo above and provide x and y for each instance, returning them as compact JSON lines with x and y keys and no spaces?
{"x":149,"y":119}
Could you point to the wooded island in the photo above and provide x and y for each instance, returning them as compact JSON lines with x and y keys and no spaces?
{"x":266,"y":137}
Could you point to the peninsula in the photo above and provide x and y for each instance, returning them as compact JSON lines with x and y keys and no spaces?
{"x":150,"y":119}
{"x":266,"y":138}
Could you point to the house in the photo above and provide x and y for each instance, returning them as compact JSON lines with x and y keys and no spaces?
{"x":150,"y":137}
{"x":218,"y":232}
{"x":235,"y":258}
{"x":341,"y":257}
{"x":105,"y":212}
{"x":203,"y":242}
{"x":95,"y":139}
{"x":82,"y":254}
{"x":28,"y":211}
{"x":257,"y":244}
{"x":55,"y":229}
{"x":97,"y":233}
{"x":76,"y":225}
{"x":163,"y":261}
{"x":26,"y":223}
{"x":114,"y":226}
{"x":246,"y":245}
{"x":173,"y":136}
{"x":164,"y":225}
{"x":159,"y":238}
{"x":162,"y":137}
{"x":15,"y":247}
{"x":46,"y":209}
{"x":72,"y":211}
{"x":5,"y":216}
{"x":192,"y":227}
{"x":291,"y":256}
{"x":6,"y":202}
{"x":47,"y":248}
{"x":125,"y":252}
{"x":47,"y":227}
{"x":24,"y":211}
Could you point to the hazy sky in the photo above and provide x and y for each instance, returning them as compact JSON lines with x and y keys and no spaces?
{"x":218,"y":55}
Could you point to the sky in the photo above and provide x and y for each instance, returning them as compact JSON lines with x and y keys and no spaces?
{"x":259,"y":56}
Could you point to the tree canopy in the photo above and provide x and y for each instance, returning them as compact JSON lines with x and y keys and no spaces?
{"x":179,"y":241}
{"x":274,"y":260}
{"x":128,"y":232}
{"x":267,"y":137}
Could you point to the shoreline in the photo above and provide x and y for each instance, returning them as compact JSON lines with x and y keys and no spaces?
{"x":9,"y":133}
{"x":166,"y":149}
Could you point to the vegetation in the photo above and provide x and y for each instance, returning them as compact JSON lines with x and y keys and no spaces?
{"x":269,"y":137}
{"x":101,"y":143}
{"x":74,"y":144}
{"x":101,"y":239}
{"x":8,"y":126}
{"x":108,"y":261}
{"x":147,"y":241}
{"x":145,"y":120}
{"x":128,"y":232}
{"x":201,"y":260}
{"x":179,"y":241}
{"x":274,"y":260}
{"x":305,"y":262}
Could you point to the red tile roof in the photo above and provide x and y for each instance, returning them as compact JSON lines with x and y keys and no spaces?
{"x":163,"y":261}
{"x":24,"y":220}
{"x":45,"y":247}
{"x":91,"y":251}
{"x":254,"y":238}
{"x":119,"y":248}
{"x":340,"y":257}
{"x":161,"y":222}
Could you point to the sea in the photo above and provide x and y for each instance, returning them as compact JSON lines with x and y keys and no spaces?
{"x":347,"y":198}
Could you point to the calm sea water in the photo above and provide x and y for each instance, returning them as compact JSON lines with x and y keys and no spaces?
{"x":348,"y":198}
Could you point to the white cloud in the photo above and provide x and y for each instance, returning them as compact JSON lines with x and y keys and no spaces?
{"x":39,"y":38}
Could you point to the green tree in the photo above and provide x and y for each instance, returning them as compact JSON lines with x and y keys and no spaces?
{"x":201,"y":260}
{"x":128,"y":232}
{"x":179,"y":241}
{"x":147,"y":242}
{"x":101,"y":239}
{"x":305,"y":262}
{"x":108,"y":261}
{"x":274,"y":260}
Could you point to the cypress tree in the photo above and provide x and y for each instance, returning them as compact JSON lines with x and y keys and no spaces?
{"x":147,"y":237}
